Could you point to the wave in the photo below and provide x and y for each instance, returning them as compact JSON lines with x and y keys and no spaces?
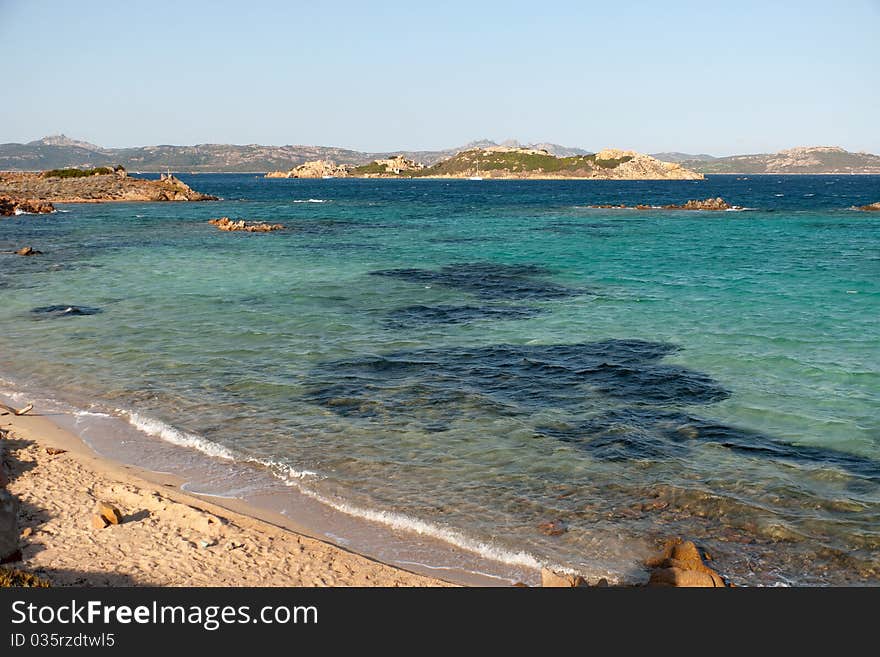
{"x":454,"y":537}
{"x":311,"y":200}
{"x":293,"y":477}
{"x":169,"y":434}
{"x":19,"y":212}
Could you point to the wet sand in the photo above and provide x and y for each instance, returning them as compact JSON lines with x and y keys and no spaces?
{"x":167,"y":537}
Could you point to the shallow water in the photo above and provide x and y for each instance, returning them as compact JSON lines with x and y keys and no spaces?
{"x":477,"y":358}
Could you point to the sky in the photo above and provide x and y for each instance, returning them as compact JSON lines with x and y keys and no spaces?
{"x":696,"y":77}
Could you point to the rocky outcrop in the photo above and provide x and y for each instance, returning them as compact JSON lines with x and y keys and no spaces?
{"x":227,"y":224}
{"x":113,"y":186}
{"x":10,"y":205}
{"x":871,"y":207}
{"x":28,"y":251}
{"x":712,"y":204}
{"x":388,"y":167}
{"x":313,"y":169}
{"x":681,"y":564}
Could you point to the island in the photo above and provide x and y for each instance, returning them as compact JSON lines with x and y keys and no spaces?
{"x":96,"y":185}
{"x":802,"y":159}
{"x":506,"y":163}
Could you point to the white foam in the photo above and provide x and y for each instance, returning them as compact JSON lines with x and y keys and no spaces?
{"x":19,"y":211}
{"x":81,"y":414}
{"x":169,"y":434}
{"x":282,"y":471}
{"x":311,"y":200}
{"x":454,"y":537}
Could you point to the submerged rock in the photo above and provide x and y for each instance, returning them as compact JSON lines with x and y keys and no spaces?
{"x":652,"y":434}
{"x":553,"y":528}
{"x":65,"y":311}
{"x":488,"y":280}
{"x":419,"y":315}
{"x":435,"y":384}
{"x":871,"y":207}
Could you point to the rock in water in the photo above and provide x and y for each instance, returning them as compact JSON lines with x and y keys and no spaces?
{"x":108,"y":512}
{"x":871,"y":207}
{"x":680,"y":564}
{"x":9,"y":205}
{"x":9,"y":533}
{"x":227,"y":224}
{"x":714,"y":204}
{"x":28,"y":251}
{"x":553,"y":528}
{"x":552,"y":579}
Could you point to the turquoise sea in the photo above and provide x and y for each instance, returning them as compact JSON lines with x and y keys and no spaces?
{"x":460,"y":363}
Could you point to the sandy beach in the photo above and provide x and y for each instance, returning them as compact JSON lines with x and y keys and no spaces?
{"x":166,"y":538}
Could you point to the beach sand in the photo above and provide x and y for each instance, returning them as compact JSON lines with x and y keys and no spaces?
{"x":167,"y":537}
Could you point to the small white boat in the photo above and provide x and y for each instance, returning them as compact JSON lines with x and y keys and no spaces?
{"x":327,"y":177}
{"x":475,"y":177}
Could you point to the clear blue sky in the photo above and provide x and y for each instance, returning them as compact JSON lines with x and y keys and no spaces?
{"x":704,"y":76}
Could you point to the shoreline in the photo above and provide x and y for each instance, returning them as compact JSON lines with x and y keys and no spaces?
{"x":168,"y":537}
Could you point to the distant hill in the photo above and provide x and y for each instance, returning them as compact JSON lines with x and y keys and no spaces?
{"x":804,"y":159}
{"x":682,"y":157}
{"x":59,"y":151}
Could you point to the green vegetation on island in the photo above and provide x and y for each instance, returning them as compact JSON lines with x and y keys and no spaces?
{"x":81,"y":173}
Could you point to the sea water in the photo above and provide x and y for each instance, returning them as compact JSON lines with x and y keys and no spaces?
{"x":475,"y":363}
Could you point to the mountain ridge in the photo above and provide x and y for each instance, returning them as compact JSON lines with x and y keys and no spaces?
{"x":61,"y":151}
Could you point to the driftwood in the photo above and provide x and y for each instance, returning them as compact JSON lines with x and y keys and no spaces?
{"x":17,"y":411}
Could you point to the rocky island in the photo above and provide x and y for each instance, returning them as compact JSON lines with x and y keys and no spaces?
{"x":504,"y":162}
{"x":717,"y":204}
{"x":93,"y":185}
